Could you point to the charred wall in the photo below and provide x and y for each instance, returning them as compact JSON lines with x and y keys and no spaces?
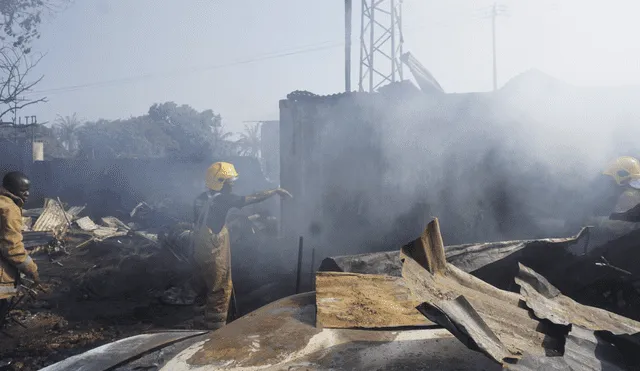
{"x":367,"y":170}
{"x":332,"y":161}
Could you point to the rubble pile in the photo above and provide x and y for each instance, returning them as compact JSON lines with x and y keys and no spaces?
{"x":533,"y":326}
{"x":108,"y":277}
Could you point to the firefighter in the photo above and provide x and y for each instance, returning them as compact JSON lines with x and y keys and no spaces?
{"x":14,"y":259}
{"x":624,"y":192}
{"x":625,"y":171}
{"x":211,"y":252}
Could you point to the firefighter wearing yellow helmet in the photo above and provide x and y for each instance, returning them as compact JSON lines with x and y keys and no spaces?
{"x":212,"y":252}
{"x":625,"y":171}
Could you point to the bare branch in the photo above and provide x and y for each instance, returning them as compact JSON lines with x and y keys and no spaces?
{"x":15,"y":83}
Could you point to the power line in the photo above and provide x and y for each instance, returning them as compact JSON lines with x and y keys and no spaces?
{"x":273,"y":55}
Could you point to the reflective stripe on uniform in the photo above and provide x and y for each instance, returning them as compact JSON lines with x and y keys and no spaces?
{"x":25,"y":264}
{"x":4,"y":290}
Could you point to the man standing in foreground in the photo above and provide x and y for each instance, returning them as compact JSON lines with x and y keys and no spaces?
{"x":14,"y":259}
{"x":212,"y":253}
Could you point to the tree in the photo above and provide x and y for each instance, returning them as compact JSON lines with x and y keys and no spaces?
{"x":66,"y":128}
{"x":15,"y":84}
{"x":249,"y":143}
{"x":167,"y":130}
{"x":21,"y":19}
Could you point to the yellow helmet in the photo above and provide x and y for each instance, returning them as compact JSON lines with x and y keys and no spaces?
{"x":623,"y":169}
{"x":218,"y":174}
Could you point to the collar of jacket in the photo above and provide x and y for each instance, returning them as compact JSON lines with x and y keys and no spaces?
{"x":14,"y":198}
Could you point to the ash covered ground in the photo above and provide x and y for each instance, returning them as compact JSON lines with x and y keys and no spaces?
{"x":101,"y":291}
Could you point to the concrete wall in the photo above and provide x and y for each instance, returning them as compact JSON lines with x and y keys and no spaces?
{"x":338,"y":183}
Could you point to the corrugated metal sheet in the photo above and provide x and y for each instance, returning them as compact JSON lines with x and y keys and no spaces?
{"x":34,"y":213}
{"x":547,"y":302}
{"x":35,"y":239}
{"x":492,"y":309}
{"x":583,"y":351}
{"x":74,"y":211}
{"x":493,"y":321}
{"x":53,"y":218}
{"x":26,"y":223}
{"x":86,"y":224}
{"x":471,"y":257}
{"x":468,"y":257}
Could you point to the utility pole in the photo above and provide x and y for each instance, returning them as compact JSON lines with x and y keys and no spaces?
{"x":496,"y":10}
{"x":494,"y":14}
{"x":347,"y":45}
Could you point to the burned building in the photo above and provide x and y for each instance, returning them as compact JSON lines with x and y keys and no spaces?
{"x":516,"y":163}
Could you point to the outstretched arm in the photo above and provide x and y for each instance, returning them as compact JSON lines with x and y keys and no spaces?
{"x":264,"y":195}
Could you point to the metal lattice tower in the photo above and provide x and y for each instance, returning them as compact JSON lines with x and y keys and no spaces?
{"x":380,"y":43}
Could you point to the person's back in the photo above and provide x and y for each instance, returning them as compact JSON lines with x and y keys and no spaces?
{"x":211,"y":208}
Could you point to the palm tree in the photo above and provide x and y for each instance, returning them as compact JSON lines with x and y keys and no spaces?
{"x":67,"y":128}
{"x":221,"y":140}
{"x":250,"y":141}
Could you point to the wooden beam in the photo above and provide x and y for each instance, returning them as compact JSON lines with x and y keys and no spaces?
{"x":351,"y":300}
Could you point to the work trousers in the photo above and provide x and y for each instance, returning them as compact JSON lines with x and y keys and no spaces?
{"x":4,"y":310}
{"x":212,"y":257}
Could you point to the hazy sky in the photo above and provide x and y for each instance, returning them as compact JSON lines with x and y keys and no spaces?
{"x":114,"y":58}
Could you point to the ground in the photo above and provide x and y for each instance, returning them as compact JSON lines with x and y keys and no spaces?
{"x":106,"y":291}
{"x":99,"y":293}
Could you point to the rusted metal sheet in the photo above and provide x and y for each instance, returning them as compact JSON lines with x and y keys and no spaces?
{"x":469,"y":257}
{"x":428,"y":250}
{"x":547,"y":302}
{"x":461,"y":319}
{"x":492,"y":321}
{"x":387,"y":263}
{"x":114,"y":354}
{"x":350,"y":300}
{"x":513,"y":326}
{"x":583,"y":351}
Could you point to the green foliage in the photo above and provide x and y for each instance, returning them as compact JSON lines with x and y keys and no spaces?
{"x":167,"y":130}
{"x":250,"y":141}
{"x":65,"y":129}
{"x":21,"y":19}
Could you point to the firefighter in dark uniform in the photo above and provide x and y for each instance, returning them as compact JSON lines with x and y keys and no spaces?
{"x":212,"y":253}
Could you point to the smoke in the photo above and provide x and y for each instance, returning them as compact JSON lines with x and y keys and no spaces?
{"x":518,"y":163}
